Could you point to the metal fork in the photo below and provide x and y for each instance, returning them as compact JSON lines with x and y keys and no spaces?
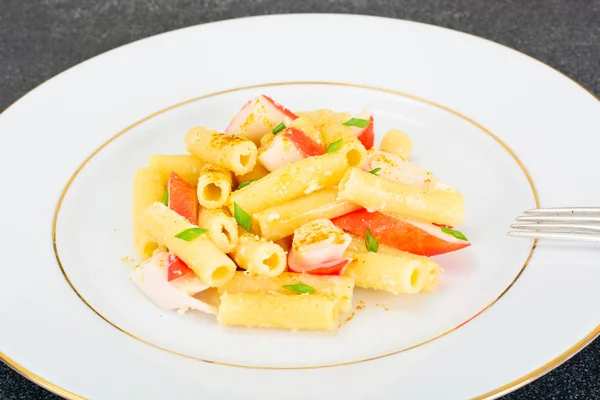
{"x":575,"y":223}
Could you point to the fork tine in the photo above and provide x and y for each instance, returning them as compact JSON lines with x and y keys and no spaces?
{"x":545,"y":226}
{"x":564,"y":210}
{"x":558,"y":218}
{"x":556,"y":235}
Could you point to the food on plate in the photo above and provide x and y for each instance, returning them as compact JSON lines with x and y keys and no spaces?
{"x":285,"y":213}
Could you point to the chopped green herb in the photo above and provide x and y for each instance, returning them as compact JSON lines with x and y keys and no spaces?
{"x":244,"y":184}
{"x":334,"y":146}
{"x":456,"y":234}
{"x":375,"y":171}
{"x":190,"y":234}
{"x":279,"y":128}
{"x":242,"y":217}
{"x":359,"y":123}
{"x":165,"y":199}
{"x":371,"y":242}
{"x":299,"y":288}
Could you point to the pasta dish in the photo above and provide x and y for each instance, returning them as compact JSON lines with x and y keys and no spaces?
{"x":283,"y":214}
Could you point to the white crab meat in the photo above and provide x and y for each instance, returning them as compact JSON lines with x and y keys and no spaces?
{"x":258,"y":117}
{"x":317,"y":244}
{"x":286,"y":147}
{"x":395,"y":168}
{"x":151,"y":279}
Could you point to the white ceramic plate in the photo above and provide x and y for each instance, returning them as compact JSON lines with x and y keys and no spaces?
{"x":506,"y":130}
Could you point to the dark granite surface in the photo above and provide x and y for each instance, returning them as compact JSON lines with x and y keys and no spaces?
{"x":40,"y":38}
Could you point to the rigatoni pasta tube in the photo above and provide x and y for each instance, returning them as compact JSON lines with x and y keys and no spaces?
{"x":211,"y":265}
{"x":405,"y":273}
{"x":258,"y":256}
{"x":222,"y":228}
{"x":294,"y":311}
{"x":443,"y":207}
{"x":231,"y":152}
{"x":148,"y":187}
{"x":397,"y":142}
{"x":282,"y":220}
{"x":432,"y":279}
{"x":186,"y":166}
{"x":214,"y":186}
{"x":341,"y":287}
{"x":298,"y":179}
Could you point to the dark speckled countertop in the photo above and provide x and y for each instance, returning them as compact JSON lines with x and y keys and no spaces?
{"x":40,"y":38}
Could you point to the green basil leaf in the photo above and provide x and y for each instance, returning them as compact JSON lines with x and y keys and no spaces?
{"x":299,"y":288}
{"x":244,"y":184}
{"x":359,"y":123}
{"x":279,"y":128}
{"x":455,"y":233}
{"x":375,"y":171}
{"x":371,"y":243}
{"x":242,"y":217}
{"x":165,"y":199}
{"x":190,"y":234}
{"x":334,"y":146}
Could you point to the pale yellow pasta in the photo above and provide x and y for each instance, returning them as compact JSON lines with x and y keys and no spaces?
{"x":341,"y":287}
{"x":214,"y":186}
{"x":299,"y":178}
{"x":257,"y":172}
{"x":401,"y":273}
{"x":444,"y":207}
{"x":222,"y":228}
{"x":211,"y":265}
{"x":230,"y":152}
{"x":357,"y":245}
{"x":258,"y":256}
{"x":148,"y":187}
{"x":295,"y":311}
{"x":282,"y":220}
{"x":397,"y":142}
{"x":432,"y":279}
{"x":186,"y":166}
{"x":306,"y":126}
{"x":329,"y":123}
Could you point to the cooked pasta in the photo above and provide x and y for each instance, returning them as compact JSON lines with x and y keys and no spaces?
{"x":214,"y":186}
{"x":341,"y":287}
{"x":298,"y":178}
{"x":222,"y":228}
{"x":286,"y":248}
{"x":294,"y":311}
{"x":378,"y":194}
{"x":209,"y":263}
{"x":186,"y":166}
{"x":258,"y":256}
{"x":406,"y":273}
{"x":397,"y":142}
{"x":281,"y":221}
{"x":231,"y":152}
{"x":148,"y":187}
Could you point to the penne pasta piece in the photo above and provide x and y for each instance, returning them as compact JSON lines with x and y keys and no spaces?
{"x":214,"y":186}
{"x":400,"y":273}
{"x":200,"y":254}
{"x":329,"y":123}
{"x":222,"y":228}
{"x":341,"y":287}
{"x":186,"y":166}
{"x":281,"y":221}
{"x":299,"y":178}
{"x":397,"y":142}
{"x":357,"y":245}
{"x":443,"y":207}
{"x":230,"y":152}
{"x":432,"y":279}
{"x":258,"y":256}
{"x":148,"y":187}
{"x":257,"y":172}
{"x":294,"y":311}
